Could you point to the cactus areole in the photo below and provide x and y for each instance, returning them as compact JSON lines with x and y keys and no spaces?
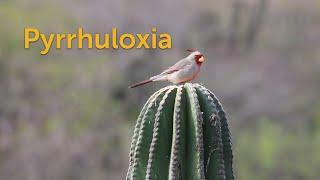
{"x":181,"y":133}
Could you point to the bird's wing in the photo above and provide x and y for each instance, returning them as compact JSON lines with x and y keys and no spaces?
{"x":176,"y":67}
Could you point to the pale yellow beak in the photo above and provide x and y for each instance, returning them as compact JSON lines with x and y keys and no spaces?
{"x":201,"y":59}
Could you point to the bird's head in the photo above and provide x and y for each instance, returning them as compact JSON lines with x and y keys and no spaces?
{"x":196,"y":56}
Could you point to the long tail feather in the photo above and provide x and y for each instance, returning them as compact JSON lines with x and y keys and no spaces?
{"x":140,"y":83}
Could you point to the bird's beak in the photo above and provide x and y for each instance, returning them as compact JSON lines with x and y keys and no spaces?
{"x":201,"y":59}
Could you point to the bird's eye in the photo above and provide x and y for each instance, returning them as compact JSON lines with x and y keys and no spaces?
{"x":198,"y":56}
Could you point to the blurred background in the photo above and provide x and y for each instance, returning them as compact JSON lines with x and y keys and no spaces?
{"x":70,"y":116}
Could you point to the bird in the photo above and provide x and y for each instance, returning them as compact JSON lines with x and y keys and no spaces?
{"x":181,"y":72}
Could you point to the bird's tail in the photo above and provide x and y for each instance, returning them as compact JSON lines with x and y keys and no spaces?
{"x":141,"y":83}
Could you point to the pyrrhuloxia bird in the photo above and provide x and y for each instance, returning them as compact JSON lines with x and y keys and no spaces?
{"x":183,"y":71}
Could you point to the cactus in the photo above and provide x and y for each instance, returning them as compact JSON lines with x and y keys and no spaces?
{"x":181,"y":133}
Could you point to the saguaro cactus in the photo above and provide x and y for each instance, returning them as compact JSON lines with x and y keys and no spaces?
{"x":181,"y":133}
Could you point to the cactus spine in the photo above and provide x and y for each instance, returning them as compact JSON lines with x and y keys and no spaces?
{"x":181,"y":133}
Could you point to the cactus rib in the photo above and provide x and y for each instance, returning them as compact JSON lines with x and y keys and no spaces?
{"x":137,"y":128}
{"x":176,"y":170}
{"x":159,"y":153}
{"x":226,"y":135}
{"x":213,"y":154}
{"x":195,"y":137}
{"x":144,"y":138}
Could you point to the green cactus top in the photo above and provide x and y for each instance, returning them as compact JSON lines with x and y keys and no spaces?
{"x":181,"y":133}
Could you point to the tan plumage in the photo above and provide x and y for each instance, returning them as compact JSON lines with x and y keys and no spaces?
{"x":183,"y":71}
